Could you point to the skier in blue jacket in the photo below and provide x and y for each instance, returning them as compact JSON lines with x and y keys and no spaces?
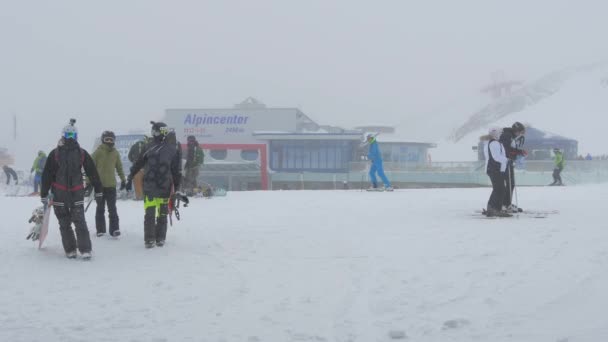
{"x":375,"y":157}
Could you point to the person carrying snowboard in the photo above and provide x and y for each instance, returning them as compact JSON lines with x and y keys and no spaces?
{"x":512,"y":140}
{"x":162,"y":172}
{"x":62,"y":175}
{"x":194,"y":159}
{"x":108,"y":163}
{"x":559,"y":166}
{"x":496,"y":168}
{"x":375,"y":157}
{"x":134,"y":153}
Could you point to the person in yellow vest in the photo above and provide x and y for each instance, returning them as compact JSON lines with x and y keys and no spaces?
{"x":559,"y":166}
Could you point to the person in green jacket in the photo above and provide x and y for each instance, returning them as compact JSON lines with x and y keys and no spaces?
{"x":559,"y":166}
{"x":194,"y":159}
{"x":37,"y":168}
{"x":107,"y":161}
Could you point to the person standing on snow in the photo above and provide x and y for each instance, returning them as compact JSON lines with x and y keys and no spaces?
{"x":37,"y":167}
{"x":10,"y":173}
{"x":512,"y":140}
{"x":162,"y":172}
{"x":375,"y":157}
{"x":559,"y":166}
{"x":496,"y":168}
{"x":194,"y":159}
{"x":135,"y":153}
{"x":108,"y":163}
{"x":62,"y":175}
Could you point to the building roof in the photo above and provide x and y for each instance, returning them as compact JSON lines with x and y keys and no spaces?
{"x":268,"y":135}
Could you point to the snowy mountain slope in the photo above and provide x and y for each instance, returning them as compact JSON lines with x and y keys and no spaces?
{"x":571,"y":103}
{"x":320,"y":266}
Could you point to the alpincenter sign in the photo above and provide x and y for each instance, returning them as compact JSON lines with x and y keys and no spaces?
{"x":229,"y":126}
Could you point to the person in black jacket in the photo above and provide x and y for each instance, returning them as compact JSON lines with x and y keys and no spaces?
{"x":62,"y":175}
{"x":512,"y":138}
{"x":496,"y":166}
{"x":162,"y":173}
{"x":10,"y":173}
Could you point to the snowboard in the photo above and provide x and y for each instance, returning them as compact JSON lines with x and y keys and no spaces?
{"x":538,"y":214}
{"x":44,"y":230}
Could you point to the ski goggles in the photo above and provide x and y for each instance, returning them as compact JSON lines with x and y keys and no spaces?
{"x":162,"y":131}
{"x":108,"y":140}
{"x":70,"y":135}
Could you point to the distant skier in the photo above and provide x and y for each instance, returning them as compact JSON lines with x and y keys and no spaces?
{"x":162,"y":172}
{"x":108,"y":163}
{"x":135,"y":153}
{"x":37,"y":168}
{"x":10,"y":173}
{"x":559,"y":166}
{"x":512,"y":139}
{"x":62,"y":174}
{"x":194,"y":160}
{"x":496,"y":168}
{"x":375,"y":157}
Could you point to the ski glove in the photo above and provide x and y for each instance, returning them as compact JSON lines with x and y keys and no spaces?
{"x":129,"y":185}
{"x":44,"y":201}
{"x":34,"y":233}
{"x":122,"y":185}
{"x":88,"y":189}
{"x":182,"y":197}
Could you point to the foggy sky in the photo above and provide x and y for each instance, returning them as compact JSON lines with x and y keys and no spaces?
{"x":118,"y":64}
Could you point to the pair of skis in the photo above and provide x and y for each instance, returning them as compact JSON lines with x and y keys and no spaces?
{"x":537,"y":214}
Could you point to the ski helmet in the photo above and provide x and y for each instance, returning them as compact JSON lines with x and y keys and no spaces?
{"x":518,"y":127}
{"x":70,"y":131}
{"x":191,"y":139}
{"x":159,"y":129}
{"x":108,"y":138}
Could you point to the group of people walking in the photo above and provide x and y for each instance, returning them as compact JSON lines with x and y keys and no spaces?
{"x":158,"y":163}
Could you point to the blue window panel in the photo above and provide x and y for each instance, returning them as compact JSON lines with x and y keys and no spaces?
{"x":322,"y":158}
{"x":274,"y":160}
{"x":314,"y":159}
{"x":306,"y":158}
{"x":331,"y":157}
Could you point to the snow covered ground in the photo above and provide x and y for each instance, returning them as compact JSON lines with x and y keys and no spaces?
{"x":320,"y":266}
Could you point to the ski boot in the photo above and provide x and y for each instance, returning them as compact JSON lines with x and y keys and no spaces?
{"x":86,"y":255}
{"x":116,"y":233}
{"x":100,"y":234}
{"x":150,"y":244}
{"x":160,"y":243}
{"x":513,"y":209}
{"x":70,"y":255}
{"x":491,"y":212}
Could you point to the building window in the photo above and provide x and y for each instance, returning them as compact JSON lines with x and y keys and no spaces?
{"x":218,"y":154}
{"x":249,"y":155}
{"x":311,"y":155}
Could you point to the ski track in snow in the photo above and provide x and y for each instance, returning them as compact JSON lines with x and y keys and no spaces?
{"x":319,"y":266}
